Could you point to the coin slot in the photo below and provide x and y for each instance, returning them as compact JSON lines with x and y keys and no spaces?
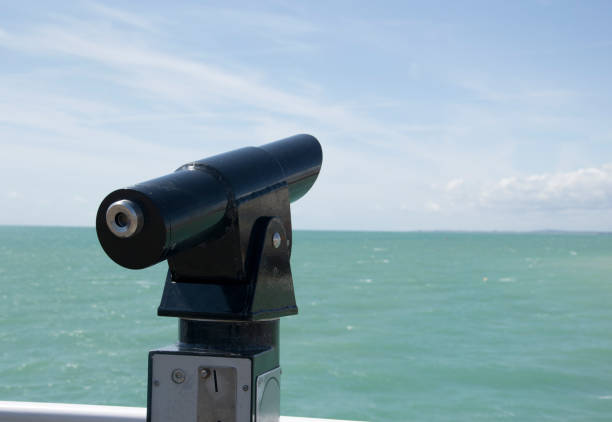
{"x":217,"y":395}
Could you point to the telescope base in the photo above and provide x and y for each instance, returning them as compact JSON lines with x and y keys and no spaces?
{"x":222,"y":381}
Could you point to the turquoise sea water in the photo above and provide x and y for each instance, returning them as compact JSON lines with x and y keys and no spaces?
{"x":392,"y":326}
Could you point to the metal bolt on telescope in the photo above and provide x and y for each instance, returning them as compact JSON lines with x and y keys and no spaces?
{"x":224,"y":226}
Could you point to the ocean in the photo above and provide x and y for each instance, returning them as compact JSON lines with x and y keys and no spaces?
{"x":392,"y":326}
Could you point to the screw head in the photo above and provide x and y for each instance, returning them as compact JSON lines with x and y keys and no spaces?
{"x":245,"y":388}
{"x":204,"y":373}
{"x":156,"y":383}
{"x":276,"y":239}
{"x":178,"y":376}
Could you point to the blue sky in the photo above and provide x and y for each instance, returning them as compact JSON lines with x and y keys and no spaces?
{"x":432,"y":115}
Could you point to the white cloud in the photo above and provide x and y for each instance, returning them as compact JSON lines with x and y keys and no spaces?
{"x":587,"y":188}
{"x":176,"y":80}
{"x":122,"y":16}
{"x":529,"y":97}
{"x":454,"y":184}
{"x":432,"y":206}
{"x":268,"y":23}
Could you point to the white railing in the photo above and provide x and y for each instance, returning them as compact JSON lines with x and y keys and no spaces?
{"x":19,"y":411}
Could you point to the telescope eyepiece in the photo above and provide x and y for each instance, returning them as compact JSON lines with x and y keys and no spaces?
{"x":124,"y":218}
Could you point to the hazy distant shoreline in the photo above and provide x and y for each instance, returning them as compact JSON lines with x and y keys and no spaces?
{"x":541,"y":231}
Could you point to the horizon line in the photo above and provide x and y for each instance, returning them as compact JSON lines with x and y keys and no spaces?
{"x":484,"y":231}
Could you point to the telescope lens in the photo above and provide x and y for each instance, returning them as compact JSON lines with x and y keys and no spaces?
{"x":121,"y":220}
{"x":124,"y":218}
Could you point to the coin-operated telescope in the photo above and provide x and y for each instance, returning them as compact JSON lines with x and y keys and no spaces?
{"x":224,"y":225}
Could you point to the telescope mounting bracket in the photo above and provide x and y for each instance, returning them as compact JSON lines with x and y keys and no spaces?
{"x":242,"y":272}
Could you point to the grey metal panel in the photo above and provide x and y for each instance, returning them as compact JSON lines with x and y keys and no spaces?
{"x":268,"y":396}
{"x":173,"y":401}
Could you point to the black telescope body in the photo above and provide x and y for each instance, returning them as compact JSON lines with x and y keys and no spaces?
{"x":196,"y":202}
{"x":224,"y":225}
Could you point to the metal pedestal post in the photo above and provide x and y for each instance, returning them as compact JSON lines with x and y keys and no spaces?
{"x":218,"y":372}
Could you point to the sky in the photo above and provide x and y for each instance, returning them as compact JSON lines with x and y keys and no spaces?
{"x":457,"y":115}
